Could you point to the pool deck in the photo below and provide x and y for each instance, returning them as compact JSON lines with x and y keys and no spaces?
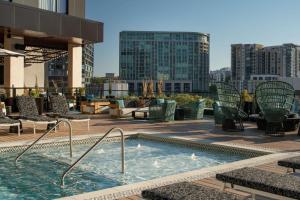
{"x":195,"y":130}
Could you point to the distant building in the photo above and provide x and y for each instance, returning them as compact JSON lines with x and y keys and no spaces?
{"x":243,"y":59}
{"x":253,"y":63}
{"x":181,"y":59}
{"x":57,"y":69}
{"x":220,"y":75}
{"x":110,"y":75}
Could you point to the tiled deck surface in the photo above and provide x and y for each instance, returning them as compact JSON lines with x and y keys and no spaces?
{"x":196,"y":130}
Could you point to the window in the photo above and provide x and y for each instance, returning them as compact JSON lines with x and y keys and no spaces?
{"x":59,"y":6}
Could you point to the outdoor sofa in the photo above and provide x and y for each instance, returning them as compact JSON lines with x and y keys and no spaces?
{"x":29,"y":112}
{"x":261,"y":182}
{"x":187,"y":191}
{"x":120,"y":110}
{"x":60,"y":109}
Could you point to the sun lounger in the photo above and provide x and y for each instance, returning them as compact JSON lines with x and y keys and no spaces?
{"x":290,"y":163}
{"x":8,"y":122}
{"x":61,"y":109}
{"x":29,"y":112}
{"x":186,"y":191}
{"x":264,"y":183}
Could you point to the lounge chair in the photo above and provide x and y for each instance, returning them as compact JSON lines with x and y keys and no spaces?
{"x":186,"y":191}
{"x":261,"y":182}
{"x":8,"y":122}
{"x":275,"y":100}
{"x":290,"y":163}
{"x":60,"y":109}
{"x":29,"y":112}
{"x":230,"y":102}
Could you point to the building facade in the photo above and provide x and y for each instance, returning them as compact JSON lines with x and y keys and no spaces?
{"x":180,"y":59}
{"x":45,"y":30}
{"x":243,"y":60}
{"x":220,"y":75}
{"x":252,"y":63}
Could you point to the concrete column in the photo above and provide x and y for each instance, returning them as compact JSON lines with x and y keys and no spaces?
{"x":13,"y":66}
{"x":74,"y":66}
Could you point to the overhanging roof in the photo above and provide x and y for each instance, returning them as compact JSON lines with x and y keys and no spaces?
{"x":47,"y":29}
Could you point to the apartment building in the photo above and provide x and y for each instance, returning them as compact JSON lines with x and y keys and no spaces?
{"x":181,"y":59}
{"x":220,"y":75}
{"x":243,"y":60}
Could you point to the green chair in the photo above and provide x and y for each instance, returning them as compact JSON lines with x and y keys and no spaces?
{"x":162,"y":111}
{"x":275,"y":100}
{"x":194,"y":110}
{"x":229,"y":99}
{"x":218,"y":114}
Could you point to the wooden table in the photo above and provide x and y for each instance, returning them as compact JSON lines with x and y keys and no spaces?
{"x":93,"y":107}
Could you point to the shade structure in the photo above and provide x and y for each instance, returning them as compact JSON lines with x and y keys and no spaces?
{"x":5,"y":52}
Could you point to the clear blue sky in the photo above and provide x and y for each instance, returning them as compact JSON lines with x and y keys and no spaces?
{"x":268,"y":22}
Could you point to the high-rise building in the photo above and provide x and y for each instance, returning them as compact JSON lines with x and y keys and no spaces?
{"x":282,"y":60}
{"x":252,"y":63}
{"x":181,"y":59}
{"x":243,"y":59}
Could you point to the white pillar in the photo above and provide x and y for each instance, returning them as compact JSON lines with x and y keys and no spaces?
{"x":13,"y":66}
{"x":74,"y":66}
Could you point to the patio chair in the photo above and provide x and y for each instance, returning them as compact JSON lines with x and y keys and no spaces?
{"x":230,"y":103}
{"x":194,"y":110}
{"x":275,"y":100}
{"x":60,"y":109}
{"x":29,"y":112}
{"x":218,"y":115}
{"x":187,"y":191}
{"x":264,"y":183}
{"x":8,"y":122}
{"x":162,"y":111}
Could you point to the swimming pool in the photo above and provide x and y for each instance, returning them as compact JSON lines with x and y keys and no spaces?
{"x":38,"y":173}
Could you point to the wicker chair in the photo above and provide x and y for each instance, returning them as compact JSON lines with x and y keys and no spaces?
{"x":275,"y":100}
{"x":230,"y":103}
{"x":218,"y":114}
{"x":194,"y":110}
{"x":162,"y":111}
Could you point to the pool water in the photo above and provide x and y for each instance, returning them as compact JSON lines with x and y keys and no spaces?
{"x":38,"y":173}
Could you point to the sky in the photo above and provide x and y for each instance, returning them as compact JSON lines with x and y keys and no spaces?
{"x":267,"y":22}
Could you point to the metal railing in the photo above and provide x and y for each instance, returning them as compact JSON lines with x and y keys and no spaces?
{"x":91,"y":148}
{"x":46,"y":133}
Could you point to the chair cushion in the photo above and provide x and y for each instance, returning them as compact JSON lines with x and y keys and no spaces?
{"x":38,"y":118}
{"x":74,"y":116}
{"x":186,"y":191}
{"x":280,"y":184}
{"x":290,"y":162}
{"x":6,"y":120}
{"x":27,"y":106}
{"x":59,"y":104}
{"x":120,"y":103}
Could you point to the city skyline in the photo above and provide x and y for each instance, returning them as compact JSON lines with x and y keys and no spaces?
{"x":228,"y":22}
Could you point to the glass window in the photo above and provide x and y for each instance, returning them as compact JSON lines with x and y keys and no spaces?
{"x":60,"y":6}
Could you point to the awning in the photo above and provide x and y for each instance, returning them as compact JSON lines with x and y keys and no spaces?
{"x":8,"y":53}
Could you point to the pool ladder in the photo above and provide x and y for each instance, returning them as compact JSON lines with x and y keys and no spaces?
{"x":46,"y":133}
{"x":92,"y":147}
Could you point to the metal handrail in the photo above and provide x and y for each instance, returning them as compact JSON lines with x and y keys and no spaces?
{"x":91,"y":148}
{"x":60,"y":121}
